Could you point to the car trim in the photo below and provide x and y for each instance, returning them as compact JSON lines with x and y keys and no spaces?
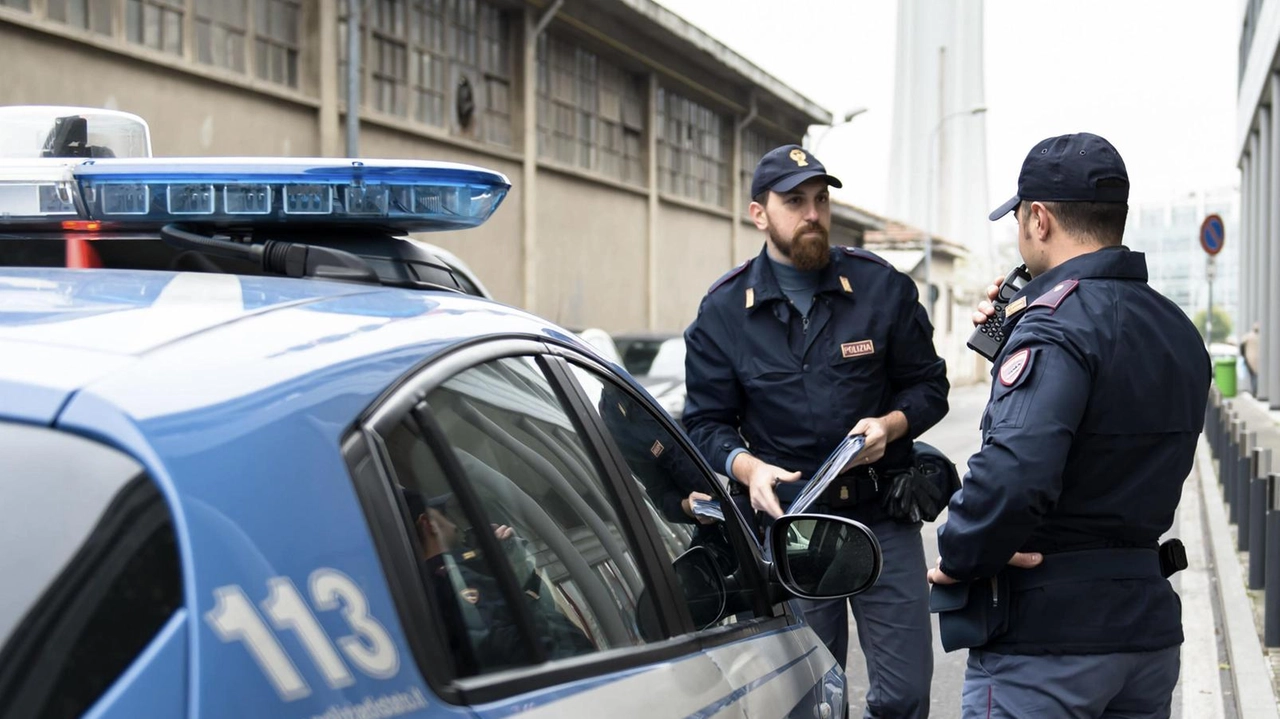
{"x":395,"y":553}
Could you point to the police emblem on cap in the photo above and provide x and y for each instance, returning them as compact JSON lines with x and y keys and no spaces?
{"x":798,"y":156}
{"x":1014,"y":367}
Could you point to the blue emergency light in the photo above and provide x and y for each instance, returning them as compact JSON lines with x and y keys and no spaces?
{"x":404,"y":195}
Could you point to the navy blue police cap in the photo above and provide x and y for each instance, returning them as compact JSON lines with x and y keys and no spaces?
{"x":783,"y":168}
{"x":1070,"y":168}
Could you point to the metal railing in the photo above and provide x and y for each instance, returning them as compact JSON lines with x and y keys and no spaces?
{"x":1251,"y":491}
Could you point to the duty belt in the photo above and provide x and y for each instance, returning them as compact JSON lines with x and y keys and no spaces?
{"x":1067,"y":567}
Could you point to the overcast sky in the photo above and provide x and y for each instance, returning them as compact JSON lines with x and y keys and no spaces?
{"x":1155,"y":77}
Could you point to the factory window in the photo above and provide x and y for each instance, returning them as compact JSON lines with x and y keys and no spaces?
{"x":157,"y":24}
{"x":220,"y":33}
{"x":84,"y":14}
{"x":693,"y":150}
{"x":276,"y":41}
{"x":590,"y":111}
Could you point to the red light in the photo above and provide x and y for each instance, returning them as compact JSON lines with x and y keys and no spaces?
{"x":81,"y":225}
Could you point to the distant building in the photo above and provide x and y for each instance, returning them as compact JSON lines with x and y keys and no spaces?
{"x":938,"y":157}
{"x":1169,"y":235}
{"x":629,"y":135}
{"x":1257,"y":141}
{"x":903,"y":246}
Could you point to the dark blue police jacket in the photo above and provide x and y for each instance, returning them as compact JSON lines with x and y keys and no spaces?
{"x":1097,"y":400}
{"x":763,"y":377}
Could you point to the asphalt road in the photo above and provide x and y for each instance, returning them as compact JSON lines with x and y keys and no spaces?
{"x":957,"y":435}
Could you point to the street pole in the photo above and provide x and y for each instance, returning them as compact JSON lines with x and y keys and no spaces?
{"x":1210,"y":271}
{"x":355,"y":11}
{"x":848,"y":118}
{"x":932,"y":196}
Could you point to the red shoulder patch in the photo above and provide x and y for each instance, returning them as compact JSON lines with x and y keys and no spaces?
{"x":1055,"y":296}
{"x":865,"y":255}
{"x":1015,"y":367}
{"x":729,"y":275}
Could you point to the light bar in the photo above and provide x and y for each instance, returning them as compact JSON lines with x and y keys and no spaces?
{"x":36,"y":191}
{"x":403,"y":195}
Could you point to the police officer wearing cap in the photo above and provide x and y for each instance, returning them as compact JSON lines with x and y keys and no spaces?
{"x":1050,"y":568}
{"x":792,"y":351}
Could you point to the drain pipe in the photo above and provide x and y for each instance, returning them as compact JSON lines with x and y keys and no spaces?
{"x":529,"y":191}
{"x":738,"y":129}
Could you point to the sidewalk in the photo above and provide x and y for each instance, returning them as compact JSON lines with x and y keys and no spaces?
{"x":1253,"y":668}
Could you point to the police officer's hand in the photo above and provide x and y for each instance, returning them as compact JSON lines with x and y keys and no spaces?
{"x":1021,"y":560}
{"x":877,"y":432}
{"x":986,"y":308}
{"x":761,"y":478}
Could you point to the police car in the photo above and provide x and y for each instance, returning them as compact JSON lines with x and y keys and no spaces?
{"x":335,"y":486}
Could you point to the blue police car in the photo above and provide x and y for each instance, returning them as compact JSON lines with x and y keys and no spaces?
{"x":330,"y":486}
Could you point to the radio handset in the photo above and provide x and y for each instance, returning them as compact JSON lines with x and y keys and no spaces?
{"x":989,"y":337}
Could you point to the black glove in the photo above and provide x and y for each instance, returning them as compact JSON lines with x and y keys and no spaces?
{"x":915,"y":495}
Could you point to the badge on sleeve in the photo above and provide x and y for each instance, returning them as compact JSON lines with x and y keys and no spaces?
{"x":1015,"y":367}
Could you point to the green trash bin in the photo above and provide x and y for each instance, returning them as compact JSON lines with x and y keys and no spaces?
{"x":1224,"y":375}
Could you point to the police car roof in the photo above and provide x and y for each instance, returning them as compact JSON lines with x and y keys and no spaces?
{"x":147,"y":345}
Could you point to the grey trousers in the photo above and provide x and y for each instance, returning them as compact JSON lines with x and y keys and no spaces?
{"x":1097,"y":686}
{"x":894,"y":629}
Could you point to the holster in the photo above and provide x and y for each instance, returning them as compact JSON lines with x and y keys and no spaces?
{"x":970,"y":614}
{"x":857,"y":486}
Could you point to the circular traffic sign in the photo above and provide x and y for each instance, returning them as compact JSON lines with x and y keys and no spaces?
{"x":1213,"y":234}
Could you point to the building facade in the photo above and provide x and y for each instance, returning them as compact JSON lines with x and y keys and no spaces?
{"x":938,"y":165}
{"x":629,"y":135}
{"x":1258,"y":145}
{"x":1169,"y":234}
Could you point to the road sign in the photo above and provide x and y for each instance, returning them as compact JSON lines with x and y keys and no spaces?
{"x":1213,"y":234}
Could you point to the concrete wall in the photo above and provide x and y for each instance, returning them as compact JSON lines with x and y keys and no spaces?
{"x":186,"y":117}
{"x":492,"y":250}
{"x":591,"y":254}
{"x":693,"y":250}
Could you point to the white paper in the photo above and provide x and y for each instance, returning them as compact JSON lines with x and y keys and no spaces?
{"x":844,"y":453}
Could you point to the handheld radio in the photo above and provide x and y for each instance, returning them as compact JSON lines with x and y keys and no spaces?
{"x":989,"y":337}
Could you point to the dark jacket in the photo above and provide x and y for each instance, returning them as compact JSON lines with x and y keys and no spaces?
{"x":1097,"y":401}
{"x":789,"y":388}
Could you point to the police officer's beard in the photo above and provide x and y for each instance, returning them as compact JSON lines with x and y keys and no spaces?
{"x":807,"y":252}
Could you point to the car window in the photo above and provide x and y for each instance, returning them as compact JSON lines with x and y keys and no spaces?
{"x":92,"y":572}
{"x":540,"y":568}
{"x":670,"y":478}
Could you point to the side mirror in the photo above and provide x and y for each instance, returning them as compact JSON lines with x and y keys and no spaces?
{"x":703,"y":585}
{"x":818,"y":556}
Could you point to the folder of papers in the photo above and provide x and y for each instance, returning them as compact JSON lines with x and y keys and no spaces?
{"x":844,"y":453}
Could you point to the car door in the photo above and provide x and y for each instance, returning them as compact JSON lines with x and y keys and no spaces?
{"x":520,"y":562}
{"x":775,"y":666}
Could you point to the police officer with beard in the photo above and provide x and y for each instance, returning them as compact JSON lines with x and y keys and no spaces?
{"x":792,"y":351}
